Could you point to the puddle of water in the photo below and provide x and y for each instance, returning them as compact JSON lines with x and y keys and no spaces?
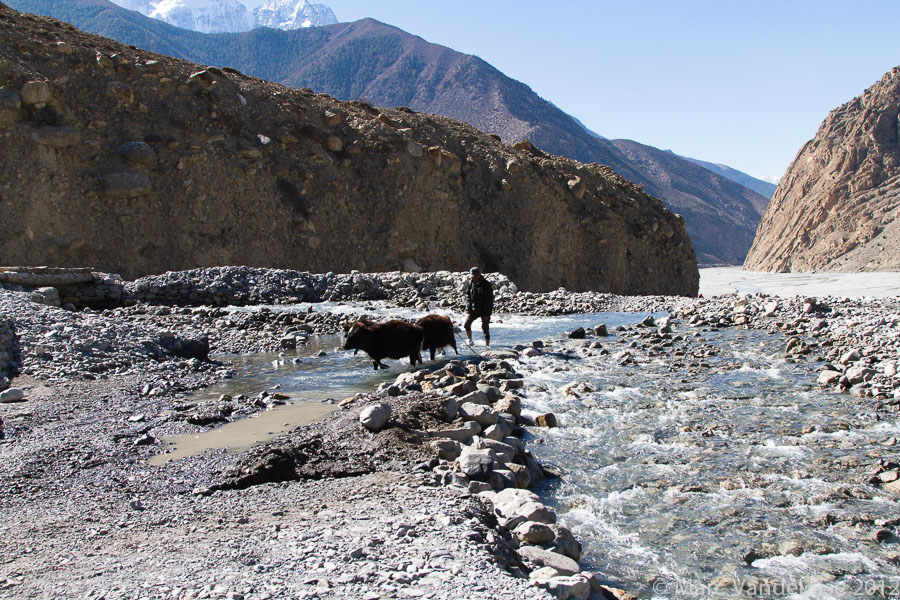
{"x":243,"y":434}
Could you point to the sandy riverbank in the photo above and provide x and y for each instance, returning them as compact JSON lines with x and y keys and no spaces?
{"x":717,"y":281}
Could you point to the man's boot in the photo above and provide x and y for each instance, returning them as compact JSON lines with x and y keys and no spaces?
{"x":487,"y":340}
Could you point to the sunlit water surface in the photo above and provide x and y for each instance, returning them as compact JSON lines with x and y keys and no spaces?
{"x":670,"y":476}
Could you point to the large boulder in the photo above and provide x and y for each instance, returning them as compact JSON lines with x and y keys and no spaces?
{"x":375,"y":417}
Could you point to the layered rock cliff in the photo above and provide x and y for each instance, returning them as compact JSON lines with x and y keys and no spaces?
{"x":130,"y":162}
{"x":837,"y":207}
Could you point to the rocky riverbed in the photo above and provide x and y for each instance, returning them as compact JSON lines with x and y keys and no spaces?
{"x":334,"y":509}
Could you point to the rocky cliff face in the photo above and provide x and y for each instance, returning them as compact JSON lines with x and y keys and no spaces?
{"x":130,"y":162}
{"x":837,"y":207}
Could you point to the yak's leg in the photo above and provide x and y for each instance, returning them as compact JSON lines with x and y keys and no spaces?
{"x":453,"y":344}
{"x":432,"y":350}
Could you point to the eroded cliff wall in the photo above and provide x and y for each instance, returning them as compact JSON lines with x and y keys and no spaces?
{"x":837,"y":207}
{"x":132,"y":162}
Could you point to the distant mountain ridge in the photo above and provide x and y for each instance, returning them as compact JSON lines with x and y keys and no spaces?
{"x":232,"y":16}
{"x":761,"y":187}
{"x":389,"y":67}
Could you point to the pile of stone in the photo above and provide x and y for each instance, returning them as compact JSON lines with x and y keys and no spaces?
{"x":57,"y":345}
{"x":250,"y":330}
{"x":483,"y":453}
{"x":72,"y":288}
{"x":241,"y":286}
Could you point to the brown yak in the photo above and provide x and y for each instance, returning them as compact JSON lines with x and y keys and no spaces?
{"x":393,"y":339}
{"x":438,"y":333}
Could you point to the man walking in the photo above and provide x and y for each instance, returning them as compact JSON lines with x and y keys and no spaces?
{"x":479,"y":304}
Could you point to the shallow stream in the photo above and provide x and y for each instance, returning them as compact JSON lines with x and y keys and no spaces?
{"x":673,"y":477}
{"x":739,"y":479}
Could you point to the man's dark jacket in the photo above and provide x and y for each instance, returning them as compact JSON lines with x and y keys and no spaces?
{"x":479,"y":297}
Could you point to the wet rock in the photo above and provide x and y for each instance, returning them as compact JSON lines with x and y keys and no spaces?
{"x":509,"y":385}
{"x":790,"y":548}
{"x":565,"y":543}
{"x":577,"y":334}
{"x":509,"y":404}
{"x":883,"y":535}
{"x":189,"y":347}
{"x":545,"y":420}
{"x":375,"y":417}
{"x":601,"y":330}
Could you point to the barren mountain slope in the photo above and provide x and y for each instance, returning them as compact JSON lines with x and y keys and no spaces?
{"x":123,"y":160}
{"x":837,"y":207}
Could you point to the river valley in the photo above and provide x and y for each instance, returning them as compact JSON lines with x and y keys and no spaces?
{"x":701,"y":456}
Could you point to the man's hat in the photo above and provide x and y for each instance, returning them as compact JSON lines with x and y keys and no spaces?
{"x":474,"y":271}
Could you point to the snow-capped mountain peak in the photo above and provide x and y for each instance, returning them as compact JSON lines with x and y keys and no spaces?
{"x":292,"y":14}
{"x":208,"y":16}
{"x":219,"y":16}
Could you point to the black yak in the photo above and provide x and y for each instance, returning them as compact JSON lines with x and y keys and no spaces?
{"x":438,"y":333}
{"x":394,"y":339}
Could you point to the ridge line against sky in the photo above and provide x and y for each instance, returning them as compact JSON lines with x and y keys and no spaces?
{"x":742,"y":84}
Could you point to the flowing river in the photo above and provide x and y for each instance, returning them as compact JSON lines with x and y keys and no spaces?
{"x":729,"y":477}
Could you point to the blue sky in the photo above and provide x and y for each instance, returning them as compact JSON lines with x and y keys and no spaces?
{"x":740,"y":83}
